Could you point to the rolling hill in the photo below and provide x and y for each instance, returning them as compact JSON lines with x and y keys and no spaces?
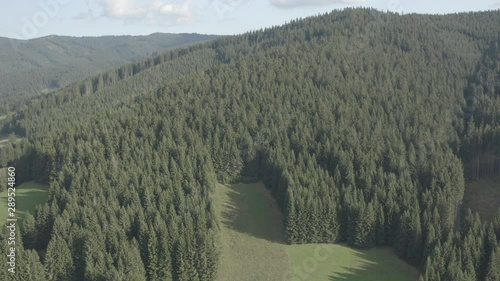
{"x":362,"y":125}
{"x":39,"y":65}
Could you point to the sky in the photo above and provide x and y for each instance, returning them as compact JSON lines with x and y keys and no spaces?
{"x":39,"y":18}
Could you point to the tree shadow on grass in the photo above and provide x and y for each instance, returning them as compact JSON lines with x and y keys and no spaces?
{"x":358,"y":270}
{"x":27,"y":201}
{"x":251,"y":210}
{"x":374,"y":266}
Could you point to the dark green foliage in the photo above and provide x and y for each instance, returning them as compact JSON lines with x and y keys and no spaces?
{"x":493,"y":269}
{"x":40,"y":65}
{"x":58,"y":261}
{"x":29,"y":231}
{"x":354,"y":120}
{"x":481,"y":142}
{"x":31,"y":269}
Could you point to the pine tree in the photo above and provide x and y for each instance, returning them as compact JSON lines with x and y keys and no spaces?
{"x":493,"y":271}
{"x":31,"y":269}
{"x":58,"y":261}
{"x":29,"y":231}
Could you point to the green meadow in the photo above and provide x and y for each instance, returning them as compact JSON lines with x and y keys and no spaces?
{"x":253,"y":247}
{"x":327,"y":262}
{"x":28,"y":196}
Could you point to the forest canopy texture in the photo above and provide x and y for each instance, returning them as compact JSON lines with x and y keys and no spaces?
{"x":364,"y":125}
{"x":30,"y":67}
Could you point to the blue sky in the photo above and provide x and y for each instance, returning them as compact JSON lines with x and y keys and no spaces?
{"x":21,"y":20}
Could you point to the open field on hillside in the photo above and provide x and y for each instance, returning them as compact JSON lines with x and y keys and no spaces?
{"x":253,"y":247}
{"x":483,"y":196}
{"x":4,"y":139}
{"x":28,"y":196}
{"x":252,"y":237}
{"x":324,"y":262}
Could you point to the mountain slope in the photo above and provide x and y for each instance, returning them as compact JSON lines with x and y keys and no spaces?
{"x":354,"y":121}
{"x":32,"y":66}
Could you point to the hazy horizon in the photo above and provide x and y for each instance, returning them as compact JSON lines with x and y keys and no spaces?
{"x":94,"y":18}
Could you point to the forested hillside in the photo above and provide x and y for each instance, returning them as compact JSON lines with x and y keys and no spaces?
{"x":39,"y":65}
{"x":364,"y":125}
{"x":481,"y":145}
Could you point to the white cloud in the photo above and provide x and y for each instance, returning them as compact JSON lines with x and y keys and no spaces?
{"x":301,"y":3}
{"x":164,"y":12}
{"x":122,"y":9}
{"x":179,"y":12}
{"x":89,"y":14}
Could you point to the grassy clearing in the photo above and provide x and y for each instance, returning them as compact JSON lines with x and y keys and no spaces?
{"x":327,"y":262}
{"x":483,"y":196}
{"x":28,"y":196}
{"x":253,"y":247}
{"x":252,"y":238}
{"x":4,"y":139}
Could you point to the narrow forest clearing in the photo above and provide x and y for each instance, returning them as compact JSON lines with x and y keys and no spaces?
{"x":253,"y":247}
{"x":252,"y":236}
{"x":28,"y":196}
{"x":483,"y":196}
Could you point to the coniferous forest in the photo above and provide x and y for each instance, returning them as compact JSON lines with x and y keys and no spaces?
{"x":364,"y":125}
{"x":31,"y":67}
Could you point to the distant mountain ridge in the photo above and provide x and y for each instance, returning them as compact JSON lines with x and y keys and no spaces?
{"x":30,"y":66}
